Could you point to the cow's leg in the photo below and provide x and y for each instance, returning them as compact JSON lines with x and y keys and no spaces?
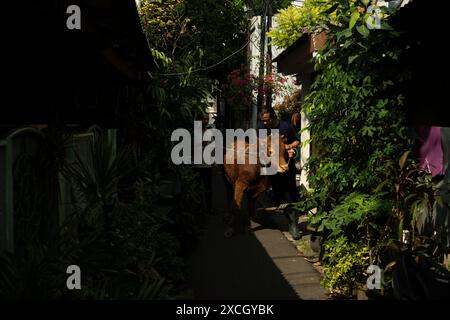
{"x":228,"y":218}
{"x":252,"y":207}
{"x":251,"y":210}
{"x":253,"y":197}
{"x":239,"y":190}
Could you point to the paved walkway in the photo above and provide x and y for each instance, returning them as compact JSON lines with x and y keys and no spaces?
{"x":261,"y":265}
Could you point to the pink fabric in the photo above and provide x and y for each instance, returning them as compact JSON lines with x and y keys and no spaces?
{"x":431,"y":156}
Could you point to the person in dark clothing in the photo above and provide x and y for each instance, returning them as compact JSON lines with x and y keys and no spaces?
{"x":284,"y":183}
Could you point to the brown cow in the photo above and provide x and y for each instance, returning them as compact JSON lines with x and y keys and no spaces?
{"x":247,"y":179}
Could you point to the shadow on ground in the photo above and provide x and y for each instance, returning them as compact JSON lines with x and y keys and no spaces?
{"x":235,"y":268}
{"x":262,"y":265}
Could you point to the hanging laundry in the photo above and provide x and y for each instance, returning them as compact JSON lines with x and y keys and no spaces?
{"x":431,"y":155}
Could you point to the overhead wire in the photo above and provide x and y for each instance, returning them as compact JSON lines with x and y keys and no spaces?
{"x":204,"y":68}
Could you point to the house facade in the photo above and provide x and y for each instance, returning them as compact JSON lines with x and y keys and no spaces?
{"x":67,"y":86}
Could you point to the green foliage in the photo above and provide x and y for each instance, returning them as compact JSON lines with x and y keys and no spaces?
{"x":356,"y":112}
{"x":352,"y":230}
{"x":358,"y":133}
{"x":179,"y":87}
{"x":221,"y":27}
{"x":288,"y":28}
{"x":345,"y":265}
{"x":413,"y":197}
{"x":293,"y":21}
{"x":353,"y":217}
{"x":131,"y":226}
{"x":127,"y":247}
{"x":177,"y":28}
{"x":341,"y":18}
{"x":307,"y":203}
{"x":166,"y":25}
{"x":259,"y":6}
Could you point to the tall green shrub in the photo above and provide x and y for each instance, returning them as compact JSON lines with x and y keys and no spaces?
{"x":358,"y":132}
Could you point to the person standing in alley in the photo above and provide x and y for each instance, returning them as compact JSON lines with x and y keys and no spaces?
{"x":284,"y":183}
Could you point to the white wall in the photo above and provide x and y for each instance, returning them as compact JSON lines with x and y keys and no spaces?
{"x":254,"y":62}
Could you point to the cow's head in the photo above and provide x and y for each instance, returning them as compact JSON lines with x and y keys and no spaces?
{"x":281,"y":157}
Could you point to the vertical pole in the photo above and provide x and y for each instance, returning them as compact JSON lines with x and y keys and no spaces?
{"x":305,"y":134}
{"x":262,"y":48}
{"x":249,"y":33}
{"x":248,"y":61}
{"x":269,"y":53}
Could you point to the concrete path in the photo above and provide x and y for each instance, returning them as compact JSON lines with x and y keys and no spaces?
{"x":262,"y":265}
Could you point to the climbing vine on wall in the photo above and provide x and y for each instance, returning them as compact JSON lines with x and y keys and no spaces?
{"x":357,"y":120}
